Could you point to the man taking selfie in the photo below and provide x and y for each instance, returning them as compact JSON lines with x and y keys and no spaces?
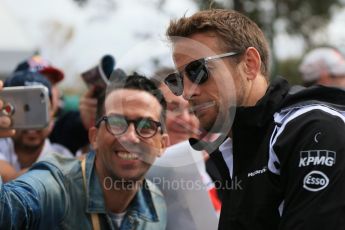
{"x":27,"y":146}
{"x":106,"y":190}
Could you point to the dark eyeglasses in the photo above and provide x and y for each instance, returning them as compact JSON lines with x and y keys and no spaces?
{"x":118,"y":124}
{"x":196,"y":71}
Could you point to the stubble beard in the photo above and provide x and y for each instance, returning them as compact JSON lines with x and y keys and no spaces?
{"x":27,"y":147}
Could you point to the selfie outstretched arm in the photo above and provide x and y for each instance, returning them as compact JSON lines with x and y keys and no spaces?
{"x":35,"y":200}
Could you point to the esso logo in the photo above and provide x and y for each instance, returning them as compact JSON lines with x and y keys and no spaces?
{"x":315,"y":181}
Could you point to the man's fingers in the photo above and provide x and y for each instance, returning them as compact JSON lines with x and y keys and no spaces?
{"x":7,"y":133}
{"x":5,"y":122}
{"x":89,"y":93}
{"x":87,"y":109}
{"x":90,"y":102}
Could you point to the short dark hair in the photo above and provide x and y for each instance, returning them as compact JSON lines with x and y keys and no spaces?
{"x":136,"y":82}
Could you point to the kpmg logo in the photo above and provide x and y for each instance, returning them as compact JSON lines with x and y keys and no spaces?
{"x":317,"y":157}
{"x":315,"y":181}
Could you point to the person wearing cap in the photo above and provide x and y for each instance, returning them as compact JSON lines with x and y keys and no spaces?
{"x":323,"y":66}
{"x":107,"y":189}
{"x":37,"y":63}
{"x":26,"y":147}
{"x":70,"y":128}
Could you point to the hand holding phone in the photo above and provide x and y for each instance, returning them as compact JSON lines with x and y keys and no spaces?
{"x":26,"y":106}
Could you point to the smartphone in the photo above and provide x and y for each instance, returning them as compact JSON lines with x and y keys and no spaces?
{"x":28,"y":106}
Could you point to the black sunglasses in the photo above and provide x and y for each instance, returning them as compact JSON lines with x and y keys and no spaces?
{"x":196,"y":71}
{"x":117,"y":124}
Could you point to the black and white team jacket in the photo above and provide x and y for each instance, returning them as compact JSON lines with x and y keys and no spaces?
{"x":285,"y":168}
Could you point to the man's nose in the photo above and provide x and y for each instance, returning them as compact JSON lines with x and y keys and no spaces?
{"x":31,"y":131}
{"x":130,"y":135}
{"x":190,"y":89}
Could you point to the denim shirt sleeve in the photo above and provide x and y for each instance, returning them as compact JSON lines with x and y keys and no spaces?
{"x":33,"y":201}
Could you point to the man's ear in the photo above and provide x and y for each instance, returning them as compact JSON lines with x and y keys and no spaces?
{"x":164,"y":144}
{"x":252,"y":63}
{"x":93,"y":137}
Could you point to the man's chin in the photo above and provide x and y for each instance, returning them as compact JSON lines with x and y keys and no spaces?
{"x":129,"y":180}
{"x":127,"y":177}
{"x":178,"y":137}
{"x":32,"y":147}
{"x":207,"y":125}
{"x":215,"y":127}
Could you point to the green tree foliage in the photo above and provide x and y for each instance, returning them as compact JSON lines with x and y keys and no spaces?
{"x":299,"y":17}
{"x":289,"y":69}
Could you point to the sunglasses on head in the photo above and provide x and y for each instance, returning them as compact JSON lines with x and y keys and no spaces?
{"x":196,"y":71}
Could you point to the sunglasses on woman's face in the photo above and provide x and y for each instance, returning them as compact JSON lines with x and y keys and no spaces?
{"x":196,"y":71}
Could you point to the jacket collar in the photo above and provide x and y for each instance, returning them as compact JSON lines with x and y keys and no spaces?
{"x":142,"y":204}
{"x":279,"y":95}
{"x":263,"y":111}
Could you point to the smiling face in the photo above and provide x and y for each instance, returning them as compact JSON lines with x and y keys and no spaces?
{"x":127,"y":156}
{"x":224,"y":88}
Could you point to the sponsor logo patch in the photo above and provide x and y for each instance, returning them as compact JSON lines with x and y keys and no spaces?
{"x":317,"y":157}
{"x":256,"y":172}
{"x":315,"y":181}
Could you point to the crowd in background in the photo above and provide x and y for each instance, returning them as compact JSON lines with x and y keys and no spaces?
{"x":119,"y":132}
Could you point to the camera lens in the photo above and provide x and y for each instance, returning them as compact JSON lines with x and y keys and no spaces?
{"x":26,"y":108}
{"x":8,"y":109}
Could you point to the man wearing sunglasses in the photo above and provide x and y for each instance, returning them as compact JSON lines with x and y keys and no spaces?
{"x":282,"y":146}
{"x":107,"y":189}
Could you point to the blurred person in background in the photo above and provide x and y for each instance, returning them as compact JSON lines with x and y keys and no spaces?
{"x":26,"y":147}
{"x":70,"y":127}
{"x":107,"y":189}
{"x":323,"y":66}
{"x":38,"y":64}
